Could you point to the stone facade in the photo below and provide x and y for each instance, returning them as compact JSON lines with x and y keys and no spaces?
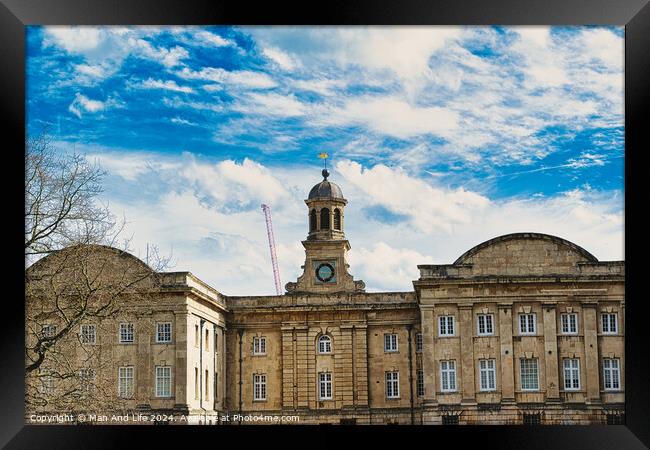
{"x":523,"y":328}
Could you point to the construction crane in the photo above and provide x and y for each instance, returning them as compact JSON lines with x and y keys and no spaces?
{"x":274,"y":258}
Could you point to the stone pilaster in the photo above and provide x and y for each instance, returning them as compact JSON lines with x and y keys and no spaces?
{"x":428,"y":355}
{"x":507,"y":363}
{"x":180,"y":369}
{"x":289,"y":382}
{"x":343,"y":367}
{"x":361,"y":364}
{"x":590,"y":319}
{"x":466,"y":329}
{"x":550,"y":352}
{"x":301,"y":367}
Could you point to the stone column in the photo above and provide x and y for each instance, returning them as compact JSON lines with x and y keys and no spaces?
{"x":507,"y":366}
{"x":550,"y":352}
{"x":590,"y":320}
{"x":467,"y":354}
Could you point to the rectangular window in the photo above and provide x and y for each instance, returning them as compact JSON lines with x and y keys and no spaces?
{"x":48,"y":331}
{"x":125,"y":381}
{"x":390,"y":342}
{"x":418,"y":342}
{"x":450,"y":419}
{"x":487,"y":374}
{"x":88,"y":334}
{"x":609,"y":323}
{"x":259,"y":387}
{"x":616,"y":419}
{"x":47,"y":384}
{"x":611,"y":374}
{"x":527,"y":323}
{"x":196,"y":383}
{"x":197,"y":336}
{"x":86,"y":379}
{"x":126,"y":333}
{"x":420,"y":383}
{"x":216,"y":342}
{"x":529,"y":374}
{"x":207,"y":340}
{"x":569,"y":323}
{"x":259,"y":346}
{"x":325,"y":386}
{"x":448,"y":376}
{"x":485,"y":324}
{"x":571,"y":374}
{"x":446,"y":325}
{"x":392,"y":384}
{"x":164,"y":332}
{"x":207,"y":384}
{"x":163,"y":381}
{"x":532,"y":419}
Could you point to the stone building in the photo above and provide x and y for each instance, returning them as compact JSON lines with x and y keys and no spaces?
{"x":523,"y":328}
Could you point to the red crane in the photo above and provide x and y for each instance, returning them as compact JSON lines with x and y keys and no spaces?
{"x":274,"y":258}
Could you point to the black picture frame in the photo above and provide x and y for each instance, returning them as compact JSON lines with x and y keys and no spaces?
{"x":633,"y":14}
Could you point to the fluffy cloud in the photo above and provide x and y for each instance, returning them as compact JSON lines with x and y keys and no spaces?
{"x":82,"y":104}
{"x":169,"y":85}
{"x":429,"y":209}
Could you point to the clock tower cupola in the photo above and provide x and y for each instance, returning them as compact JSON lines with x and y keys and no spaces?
{"x":326,"y":267}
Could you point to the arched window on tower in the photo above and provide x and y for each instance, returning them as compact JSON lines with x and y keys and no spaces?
{"x":337,"y":219}
{"x":324,"y":219}
{"x":312,"y":220}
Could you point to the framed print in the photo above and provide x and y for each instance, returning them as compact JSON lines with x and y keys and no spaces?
{"x":376,"y":215}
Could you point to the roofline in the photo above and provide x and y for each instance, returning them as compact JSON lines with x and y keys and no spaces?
{"x":524,"y":235}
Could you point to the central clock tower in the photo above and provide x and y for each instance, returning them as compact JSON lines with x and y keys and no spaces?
{"x":326,"y":267}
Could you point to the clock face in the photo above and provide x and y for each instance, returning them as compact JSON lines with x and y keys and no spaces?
{"x":325,"y":272}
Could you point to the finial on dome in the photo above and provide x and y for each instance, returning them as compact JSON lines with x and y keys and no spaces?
{"x":325,"y":173}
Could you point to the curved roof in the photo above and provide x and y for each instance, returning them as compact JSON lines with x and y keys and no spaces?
{"x":90,"y":247}
{"x":525,"y":237}
{"x":325,"y":189}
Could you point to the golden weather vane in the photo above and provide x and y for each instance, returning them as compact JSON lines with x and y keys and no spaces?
{"x":324,"y":156}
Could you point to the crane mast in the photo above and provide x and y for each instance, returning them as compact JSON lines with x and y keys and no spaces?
{"x":274,"y":258}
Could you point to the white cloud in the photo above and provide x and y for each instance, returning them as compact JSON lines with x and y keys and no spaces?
{"x":391,"y":116}
{"x":82,"y":104}
{"x":429,"y":209}
{"x":74,"y":39}
{"x":244,"y":78}
{"x":212,"y":39}
{"x":386,"y":268}
{"x":169,"y":85}
{"x":282,"y":59}
{"x":181,"y":121}
{"x":271,"y":104}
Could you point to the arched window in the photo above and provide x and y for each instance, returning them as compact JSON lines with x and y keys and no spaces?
{"x":324,"y":219}
{"x":324,"y":344}
{"x":337,"y":219}
{"x":312,"y":220}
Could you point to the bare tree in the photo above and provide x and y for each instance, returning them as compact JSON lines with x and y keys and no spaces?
{"x":61,"y":200}
{"x":80,"y":276}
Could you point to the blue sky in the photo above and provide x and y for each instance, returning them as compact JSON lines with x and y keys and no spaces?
{"x":440,"y":137}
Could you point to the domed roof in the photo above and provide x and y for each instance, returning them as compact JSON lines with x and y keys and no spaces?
{"x":325,"y":189}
